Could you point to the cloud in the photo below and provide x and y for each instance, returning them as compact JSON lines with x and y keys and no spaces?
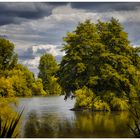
{"x":18,"y":12}
{"x":40,"y":49}
{"x":106,"y":6}
{"x":15,"y":13}
{"x":31,"y":56}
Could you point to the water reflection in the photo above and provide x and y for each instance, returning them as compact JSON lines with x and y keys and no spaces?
{"x":43,"y":126}
{"x":57,"y":122}
{"x":100,"y":124}
{"x":49,"y":126}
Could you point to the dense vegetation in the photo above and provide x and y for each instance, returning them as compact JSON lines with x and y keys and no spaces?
{"x":16,"y":79}
{"x":100,"y":66}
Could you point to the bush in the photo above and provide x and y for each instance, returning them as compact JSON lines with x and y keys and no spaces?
{"x":101,"y":106}
{"x":118,"y":104}
{"x":6,"y":88}
{"x":84,"y":98}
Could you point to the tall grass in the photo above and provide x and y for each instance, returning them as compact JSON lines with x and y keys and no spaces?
{"x":7,"y":130}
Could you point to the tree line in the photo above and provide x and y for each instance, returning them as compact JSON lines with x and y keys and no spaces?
{"x":18,"y":80}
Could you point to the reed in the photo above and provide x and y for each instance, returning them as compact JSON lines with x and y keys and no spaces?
{"x":7,"y":130}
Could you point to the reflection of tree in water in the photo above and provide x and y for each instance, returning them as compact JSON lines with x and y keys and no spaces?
{"x":40,"y":126}
{"x":103,"y":124}
{"x":85,"y":124}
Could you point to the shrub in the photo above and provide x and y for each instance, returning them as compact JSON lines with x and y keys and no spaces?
{"x":84,"y":97}
{"x":101,"y":106}
{"x":118,"y":104}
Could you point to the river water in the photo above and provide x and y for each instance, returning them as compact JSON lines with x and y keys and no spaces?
{"x":51,"y":117}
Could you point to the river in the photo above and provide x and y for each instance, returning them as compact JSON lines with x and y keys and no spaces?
{"x":51,"y":117}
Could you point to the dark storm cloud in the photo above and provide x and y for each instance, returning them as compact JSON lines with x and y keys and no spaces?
{"x":57,"y":3}
{"x":17,"y":12}
{"x":106,"y":6}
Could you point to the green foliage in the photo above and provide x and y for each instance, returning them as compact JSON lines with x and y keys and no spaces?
{"x":37,"y":88}
{"x":84,"y":98}
{"x":16,"y":79}
{"x":6,"y":88}
{"x":100,"y":57}
{"x":19,"y":81}
{"x":100,"y":105}
{"x":53,"y":87}
{"x":76,"y":65}
{"x":119,"y":104}
{"x":8,"y":59}
{"x":47,"y":72}
{"x":6,"y":112}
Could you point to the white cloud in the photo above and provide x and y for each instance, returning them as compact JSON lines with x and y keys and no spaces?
{"x":40,"y":49}
{"x":31,"y":63}
{"x":31,"y":56}
{"x":135,"y":46}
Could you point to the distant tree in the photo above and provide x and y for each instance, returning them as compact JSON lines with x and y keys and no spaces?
{"x":47,"y":71}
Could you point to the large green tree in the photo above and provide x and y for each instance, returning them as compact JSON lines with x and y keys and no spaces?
{"x":100,"y":57}
{"x":81,"y":46}
{"x":47,"y":72}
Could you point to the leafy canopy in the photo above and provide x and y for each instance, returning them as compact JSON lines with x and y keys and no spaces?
{"x":100,"y":57}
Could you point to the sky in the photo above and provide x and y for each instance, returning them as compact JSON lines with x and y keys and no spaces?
{"x":38,"y":28}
